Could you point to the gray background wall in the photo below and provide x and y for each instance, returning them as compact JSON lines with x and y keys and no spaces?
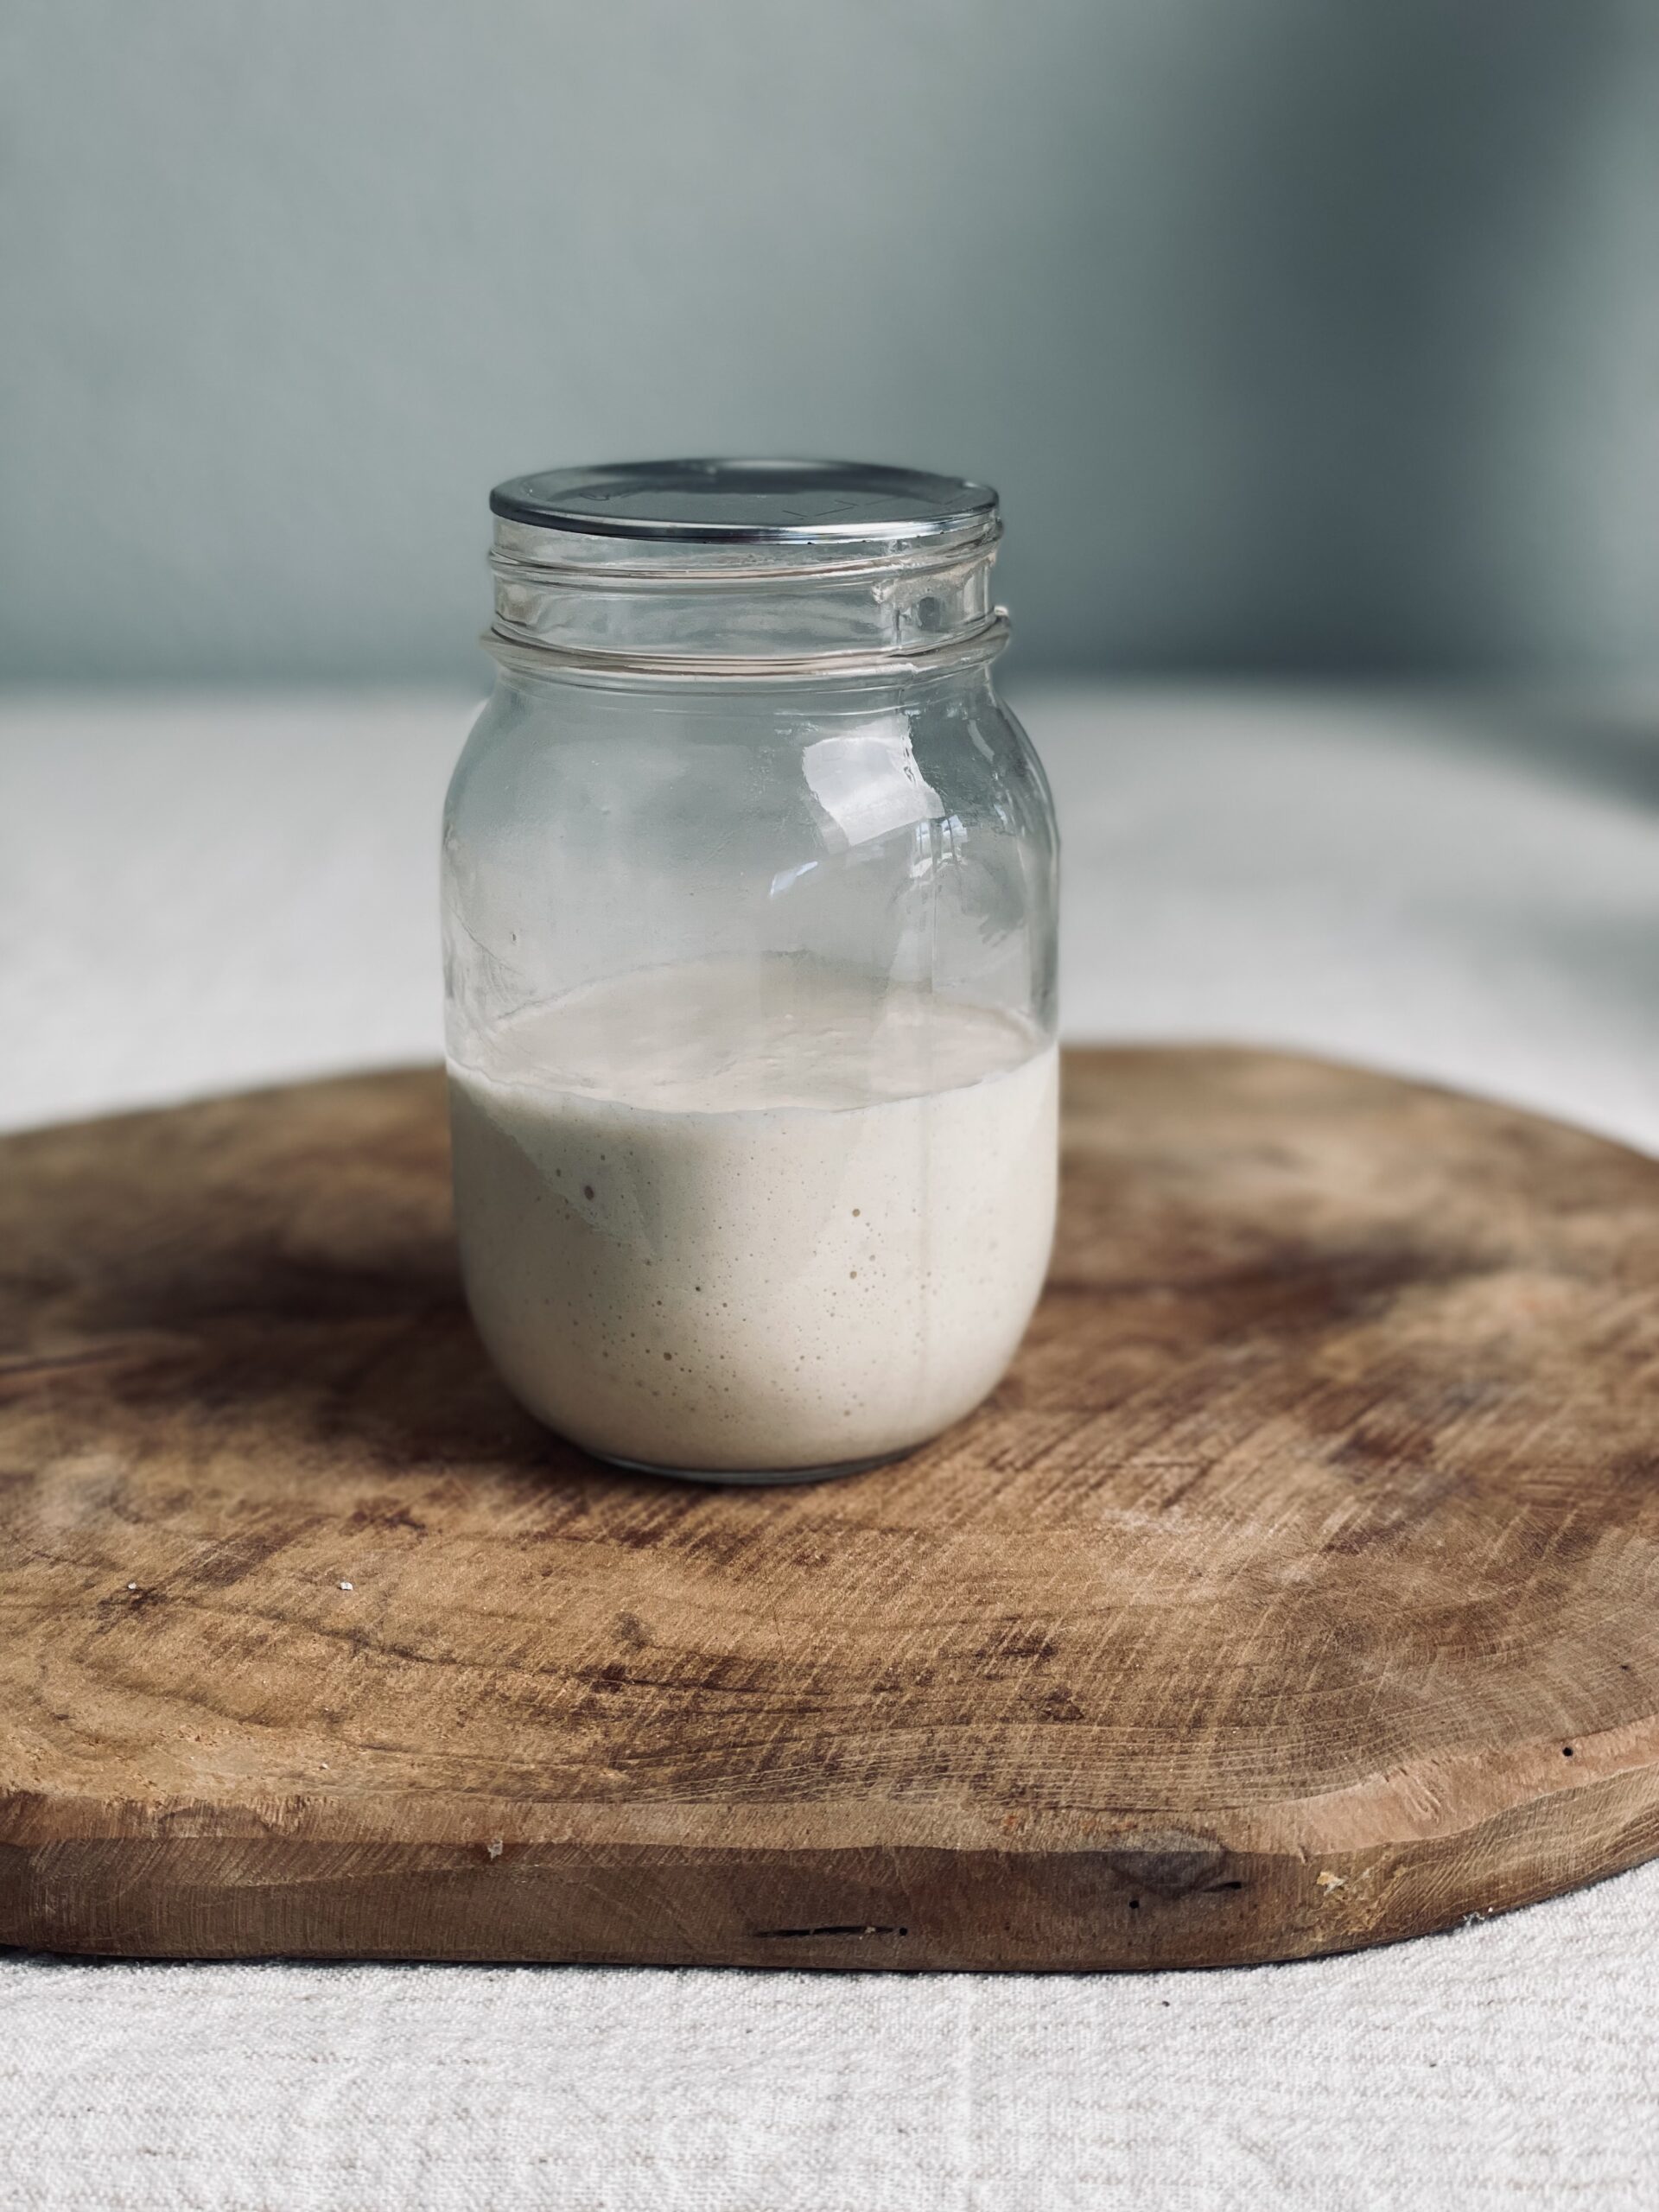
{"x":1299,"y":334}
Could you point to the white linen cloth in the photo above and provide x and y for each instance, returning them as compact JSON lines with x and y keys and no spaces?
{"x":203,"y":894}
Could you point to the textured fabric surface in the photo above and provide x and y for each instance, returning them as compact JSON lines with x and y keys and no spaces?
{"x":1510,"y":2064}
{"x":195,"y":897}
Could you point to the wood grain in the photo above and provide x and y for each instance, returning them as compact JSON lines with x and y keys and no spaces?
{"x":1295,"y":1591}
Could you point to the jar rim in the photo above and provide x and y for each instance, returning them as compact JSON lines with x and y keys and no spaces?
{"x":523,"y":656}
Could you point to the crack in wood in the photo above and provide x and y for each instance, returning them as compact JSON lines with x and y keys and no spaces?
{"x":847,"y":1928}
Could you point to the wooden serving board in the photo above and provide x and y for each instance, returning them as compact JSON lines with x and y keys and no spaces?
{"x":1295,"y":1591}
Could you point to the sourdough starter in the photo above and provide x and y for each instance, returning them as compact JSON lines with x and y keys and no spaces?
{"x":753,"y":1216}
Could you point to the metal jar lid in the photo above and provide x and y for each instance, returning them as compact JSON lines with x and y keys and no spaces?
{"x":732,"y":503}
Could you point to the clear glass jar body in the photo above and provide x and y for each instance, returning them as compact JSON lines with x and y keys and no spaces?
{"x":751,"y":1015}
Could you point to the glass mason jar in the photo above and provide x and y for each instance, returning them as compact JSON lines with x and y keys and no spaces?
{"x":749,"y":942}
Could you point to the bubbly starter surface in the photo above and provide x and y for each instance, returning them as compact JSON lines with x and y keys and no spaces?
{"x":752,"y":1215}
